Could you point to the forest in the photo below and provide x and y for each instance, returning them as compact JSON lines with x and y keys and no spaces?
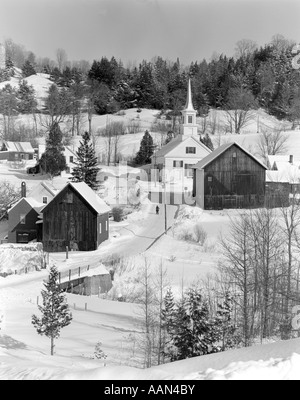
{"x":254,"y":77}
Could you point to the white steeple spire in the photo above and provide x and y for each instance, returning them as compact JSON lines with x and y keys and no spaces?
{"x":189,"y":125}
{"x":189,"y":103}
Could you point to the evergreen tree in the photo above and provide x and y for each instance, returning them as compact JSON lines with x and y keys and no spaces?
{"x":189,"y":326}
{"x":55,"y":310}
{"x":206,"y":140}
{"x":224,"y":326}
{"x":28,"y":69}
{"x":146,"y":150}
{"x":86,"y":169}
{"x":53,"y":161}
{"x":170,"y":136}
{"x":26,"y":95}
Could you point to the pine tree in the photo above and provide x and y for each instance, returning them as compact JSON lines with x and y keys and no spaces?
{"x":191,"y":330}
{"x":28,"y":69}
{"x":86,"y":169}
{"x":206,"y":140}
{"x":55,"y":310}
{"x":26,"y":95}
{"x":146,"y":150}
{"x":53,"y":161}
{"x":224,"y":326}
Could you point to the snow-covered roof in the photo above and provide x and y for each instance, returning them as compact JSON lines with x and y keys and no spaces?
{"x":220,"y":150}
{"x":20,"y":147}
{"x":100,"y":270}
{"x":91,"y":197}
{"x":176,"y":142}
{"x":291,"y":175}
{"x":280,"y":158}
{"x":36,"y":205}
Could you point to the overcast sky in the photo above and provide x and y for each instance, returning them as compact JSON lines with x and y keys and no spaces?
{"x":132,"y":30}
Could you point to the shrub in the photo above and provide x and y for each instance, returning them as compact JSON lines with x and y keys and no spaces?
{"x":118,"y":214}
{"x":200,"y":234}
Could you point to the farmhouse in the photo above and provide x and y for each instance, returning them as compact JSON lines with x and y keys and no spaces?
{"x":283,"y":178}
{"x":16,"y":151}
{"x":76,"y":217}
{"x":69,"y":154}
{"x":229,"y":177}
{"x":186,"y":150}
{"x":22,"y":218}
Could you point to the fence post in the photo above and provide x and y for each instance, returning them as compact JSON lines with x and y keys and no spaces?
{"x":67,"y":252}
{"x":79,"y":272}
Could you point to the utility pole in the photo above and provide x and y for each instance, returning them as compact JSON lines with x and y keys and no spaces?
{"x":165,"y":206}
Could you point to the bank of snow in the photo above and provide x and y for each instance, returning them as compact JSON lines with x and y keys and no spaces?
{"x":20,"y":258}
{"x":276,"y":361}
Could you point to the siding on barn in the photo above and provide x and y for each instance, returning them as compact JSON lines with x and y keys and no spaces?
{"x":240,"y":175}
{"x":70,"y":221}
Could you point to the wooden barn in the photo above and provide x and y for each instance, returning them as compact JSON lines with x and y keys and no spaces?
{"x":76,"y":217}
{"x":229,"y":177}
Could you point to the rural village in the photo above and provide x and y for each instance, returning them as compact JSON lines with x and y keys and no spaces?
{"x":169,"y":236}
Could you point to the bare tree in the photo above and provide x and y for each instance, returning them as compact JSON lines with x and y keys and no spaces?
{"x":9,"y":194}
{"x":240,"y":109}
{"x":238,"y":252}
{"x":272,"y":142}
{"x":244,"y":48}
{"x":61,"y":58}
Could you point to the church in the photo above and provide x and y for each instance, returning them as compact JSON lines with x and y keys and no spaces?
{"x":185,"y":150}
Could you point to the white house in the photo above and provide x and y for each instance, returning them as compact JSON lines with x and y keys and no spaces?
{"x":185,"y":150}
{"x":69,"y":154}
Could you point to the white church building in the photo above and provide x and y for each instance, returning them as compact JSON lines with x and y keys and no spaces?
{"x":185,"y":150}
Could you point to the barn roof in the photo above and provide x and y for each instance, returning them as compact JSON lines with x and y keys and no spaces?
{"x":89,"y":195}
{"x":20,"y":147}
{"x":174,"y":143}
{"x":220,"y":150}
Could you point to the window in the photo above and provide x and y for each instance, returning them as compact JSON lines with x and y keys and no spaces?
{"x":178,"y":164}
{"x":190,"y":150}
{"x":190,"y":119}
{"x":69,"y":198}
{"x":100,"y":228}
{"x":45,"y":200}
{"x":209,"y":179}
{"x":22,"y":219}
{"x":189,"y":170}
{"x":71,"y":158}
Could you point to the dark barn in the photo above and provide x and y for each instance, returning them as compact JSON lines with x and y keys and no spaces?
{"x":229,"y":177}
{"x":76,"y":217}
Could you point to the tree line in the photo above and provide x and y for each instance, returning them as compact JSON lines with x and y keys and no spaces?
{"x":254,"y":77}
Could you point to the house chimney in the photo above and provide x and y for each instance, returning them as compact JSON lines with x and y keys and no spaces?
{"x":23,"y":189}
{"x":291,"y":159}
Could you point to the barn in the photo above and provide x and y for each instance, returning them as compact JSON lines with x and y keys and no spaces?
{"x":76,"y":217}
{"x":229,"y":177}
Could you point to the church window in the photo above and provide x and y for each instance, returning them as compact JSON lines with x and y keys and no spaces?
{"x":190,"y":119}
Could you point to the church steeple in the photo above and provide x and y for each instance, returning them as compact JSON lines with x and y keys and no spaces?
{"x":189,"y":123}
{"x":189,"y":103}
